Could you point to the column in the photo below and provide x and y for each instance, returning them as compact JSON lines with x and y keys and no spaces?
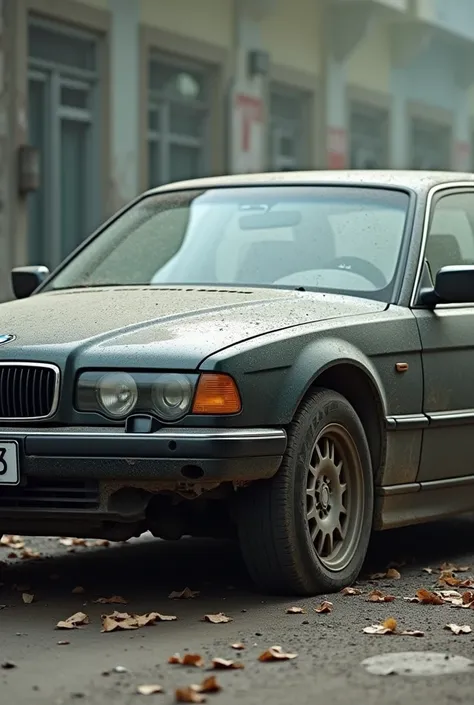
{"x":399,"y":138}
{"x":125,"y":103}
{"x":462,"y":147}
{"x":343,"y":30}
{"x":407,"y":42}
{"x":12,"y":249}
{"x":247,"y":95}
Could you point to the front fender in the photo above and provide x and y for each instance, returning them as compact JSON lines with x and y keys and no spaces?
{"x":314,"y":359}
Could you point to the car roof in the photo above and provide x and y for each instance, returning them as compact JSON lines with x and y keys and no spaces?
{"x":415,"y":180}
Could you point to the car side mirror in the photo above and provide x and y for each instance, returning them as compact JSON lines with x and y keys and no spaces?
{"x":25,"y":280}
{"x":454,"y":285}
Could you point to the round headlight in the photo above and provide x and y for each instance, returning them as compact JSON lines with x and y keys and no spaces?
{"x":117,"y":394}
{"x":172,"y":395}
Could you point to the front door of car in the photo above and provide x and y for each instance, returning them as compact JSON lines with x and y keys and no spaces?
{"x":447,"y":337}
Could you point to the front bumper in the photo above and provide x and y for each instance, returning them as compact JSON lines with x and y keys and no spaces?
{"x":61,"y":469}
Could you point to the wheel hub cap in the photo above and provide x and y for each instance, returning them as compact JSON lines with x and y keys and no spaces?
{"x":324,"y":495}
{"x":334,"y":497}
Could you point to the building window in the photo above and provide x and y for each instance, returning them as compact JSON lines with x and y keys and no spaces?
{"x":289,"y":144}
{"x":63,"y":123}
{"x":178,"y":117}
{"x":430,"y":145}
{"x":368,"y":129}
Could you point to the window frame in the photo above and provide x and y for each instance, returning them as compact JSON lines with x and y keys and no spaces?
{"x":161,"y":103}
{"x":54,"y":75}
{"x":435,"y":194}
{"x":282,"y":125}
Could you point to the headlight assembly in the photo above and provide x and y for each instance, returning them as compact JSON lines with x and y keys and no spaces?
{"x":117,"y":394}
{"x":168,"y":396}
{"x":172,"y":395}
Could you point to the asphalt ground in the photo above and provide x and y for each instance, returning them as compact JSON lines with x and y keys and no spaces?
{"x":37,"y":668}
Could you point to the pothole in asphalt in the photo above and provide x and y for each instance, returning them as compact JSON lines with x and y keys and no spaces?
{"x":417,"y":663}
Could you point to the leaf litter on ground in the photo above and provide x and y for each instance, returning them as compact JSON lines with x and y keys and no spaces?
{"x":123,"y":621}
{"x":324,"y":608}
{"x":295,"y":610}
{"x":185,"y":594}
{"x":149,"y":689}
{"x":12,"y":541}
{"x":219,"y":618}
{"x":222,"y":664}
{"x":379,"y":596}
{"x":114,"y":600}
{"x":457,"y":629}
{"x":75,"y":621}
{"x":276,"y":653}
{"x":390,"y":574}
{"x":187,"y":660}
{"x":389,"y":627}
{"x":351,"y":591}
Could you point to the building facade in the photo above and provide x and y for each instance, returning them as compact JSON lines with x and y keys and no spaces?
{"x":101,"y":99}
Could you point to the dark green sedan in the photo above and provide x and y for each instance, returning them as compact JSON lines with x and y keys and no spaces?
{"x":282,"y":358}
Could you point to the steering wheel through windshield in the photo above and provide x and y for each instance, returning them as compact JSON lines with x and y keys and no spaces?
{"x":359,"y":266}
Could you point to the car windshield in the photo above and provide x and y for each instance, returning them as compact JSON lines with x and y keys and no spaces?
{"x":343,"y":239}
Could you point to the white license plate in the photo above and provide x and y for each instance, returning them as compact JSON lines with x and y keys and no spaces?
{"x":9,"y":463}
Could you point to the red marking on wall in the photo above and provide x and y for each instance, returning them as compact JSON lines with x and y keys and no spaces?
{"x":336,"y":149}
{"x":252,"y":111}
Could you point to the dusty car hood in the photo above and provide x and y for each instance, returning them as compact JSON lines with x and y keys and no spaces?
{"x":166,"y":327}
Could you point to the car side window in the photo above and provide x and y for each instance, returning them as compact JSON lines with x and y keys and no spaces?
{"x":451,"y":232}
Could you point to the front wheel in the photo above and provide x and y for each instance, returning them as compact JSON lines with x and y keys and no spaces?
{"x":306,"y":531}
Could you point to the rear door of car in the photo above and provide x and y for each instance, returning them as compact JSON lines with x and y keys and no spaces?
{"x":447,"y":336}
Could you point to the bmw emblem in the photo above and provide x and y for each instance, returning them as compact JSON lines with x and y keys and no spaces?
{"x":6,"y":339}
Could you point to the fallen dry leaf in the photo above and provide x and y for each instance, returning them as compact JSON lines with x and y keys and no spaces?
{"x":123,"y":621}
{"x":12,"y":541}
{"x":185,"y":594}
{"x":387,"y":627}
{"x":222,"y":664}
{"x":295,"y":610}
{"x":456,"y":629}
{"x":428,"y":570}
{"x":187,"y":660}
{"x":469,"y":583}
{"x":189,"y":695}
{"x":390,"y":574}
{"x":29,"y":555}
{"x":70,"y":541}
{"x":449,"y":579}
{"x":452,"y":568}
{"x":467,"y":597}
{"x":28,"y":598}
{"x":276,"y":653}
{"x":209,"y":685}
{"x":351,"y":591}
{"x":63,"y":643}
{"x":114,"y":600}
{"x":101,"y":543}
{"x":428,"y":598}
{"x":324,"y":608}
{"x":149,"y":689}
{"x":219,"y":618}
{"x":379,"y":596}
{"x":238,"y":647}
{"x":76,"y":620}
{"x":79,"y":590}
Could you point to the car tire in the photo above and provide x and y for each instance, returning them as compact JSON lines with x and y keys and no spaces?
{"x":306,"y":531}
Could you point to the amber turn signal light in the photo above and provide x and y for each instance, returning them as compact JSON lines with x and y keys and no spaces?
{"x":216,"y":394}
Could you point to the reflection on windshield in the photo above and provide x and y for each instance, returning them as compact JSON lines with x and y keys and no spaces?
{"x":330,"y":238}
